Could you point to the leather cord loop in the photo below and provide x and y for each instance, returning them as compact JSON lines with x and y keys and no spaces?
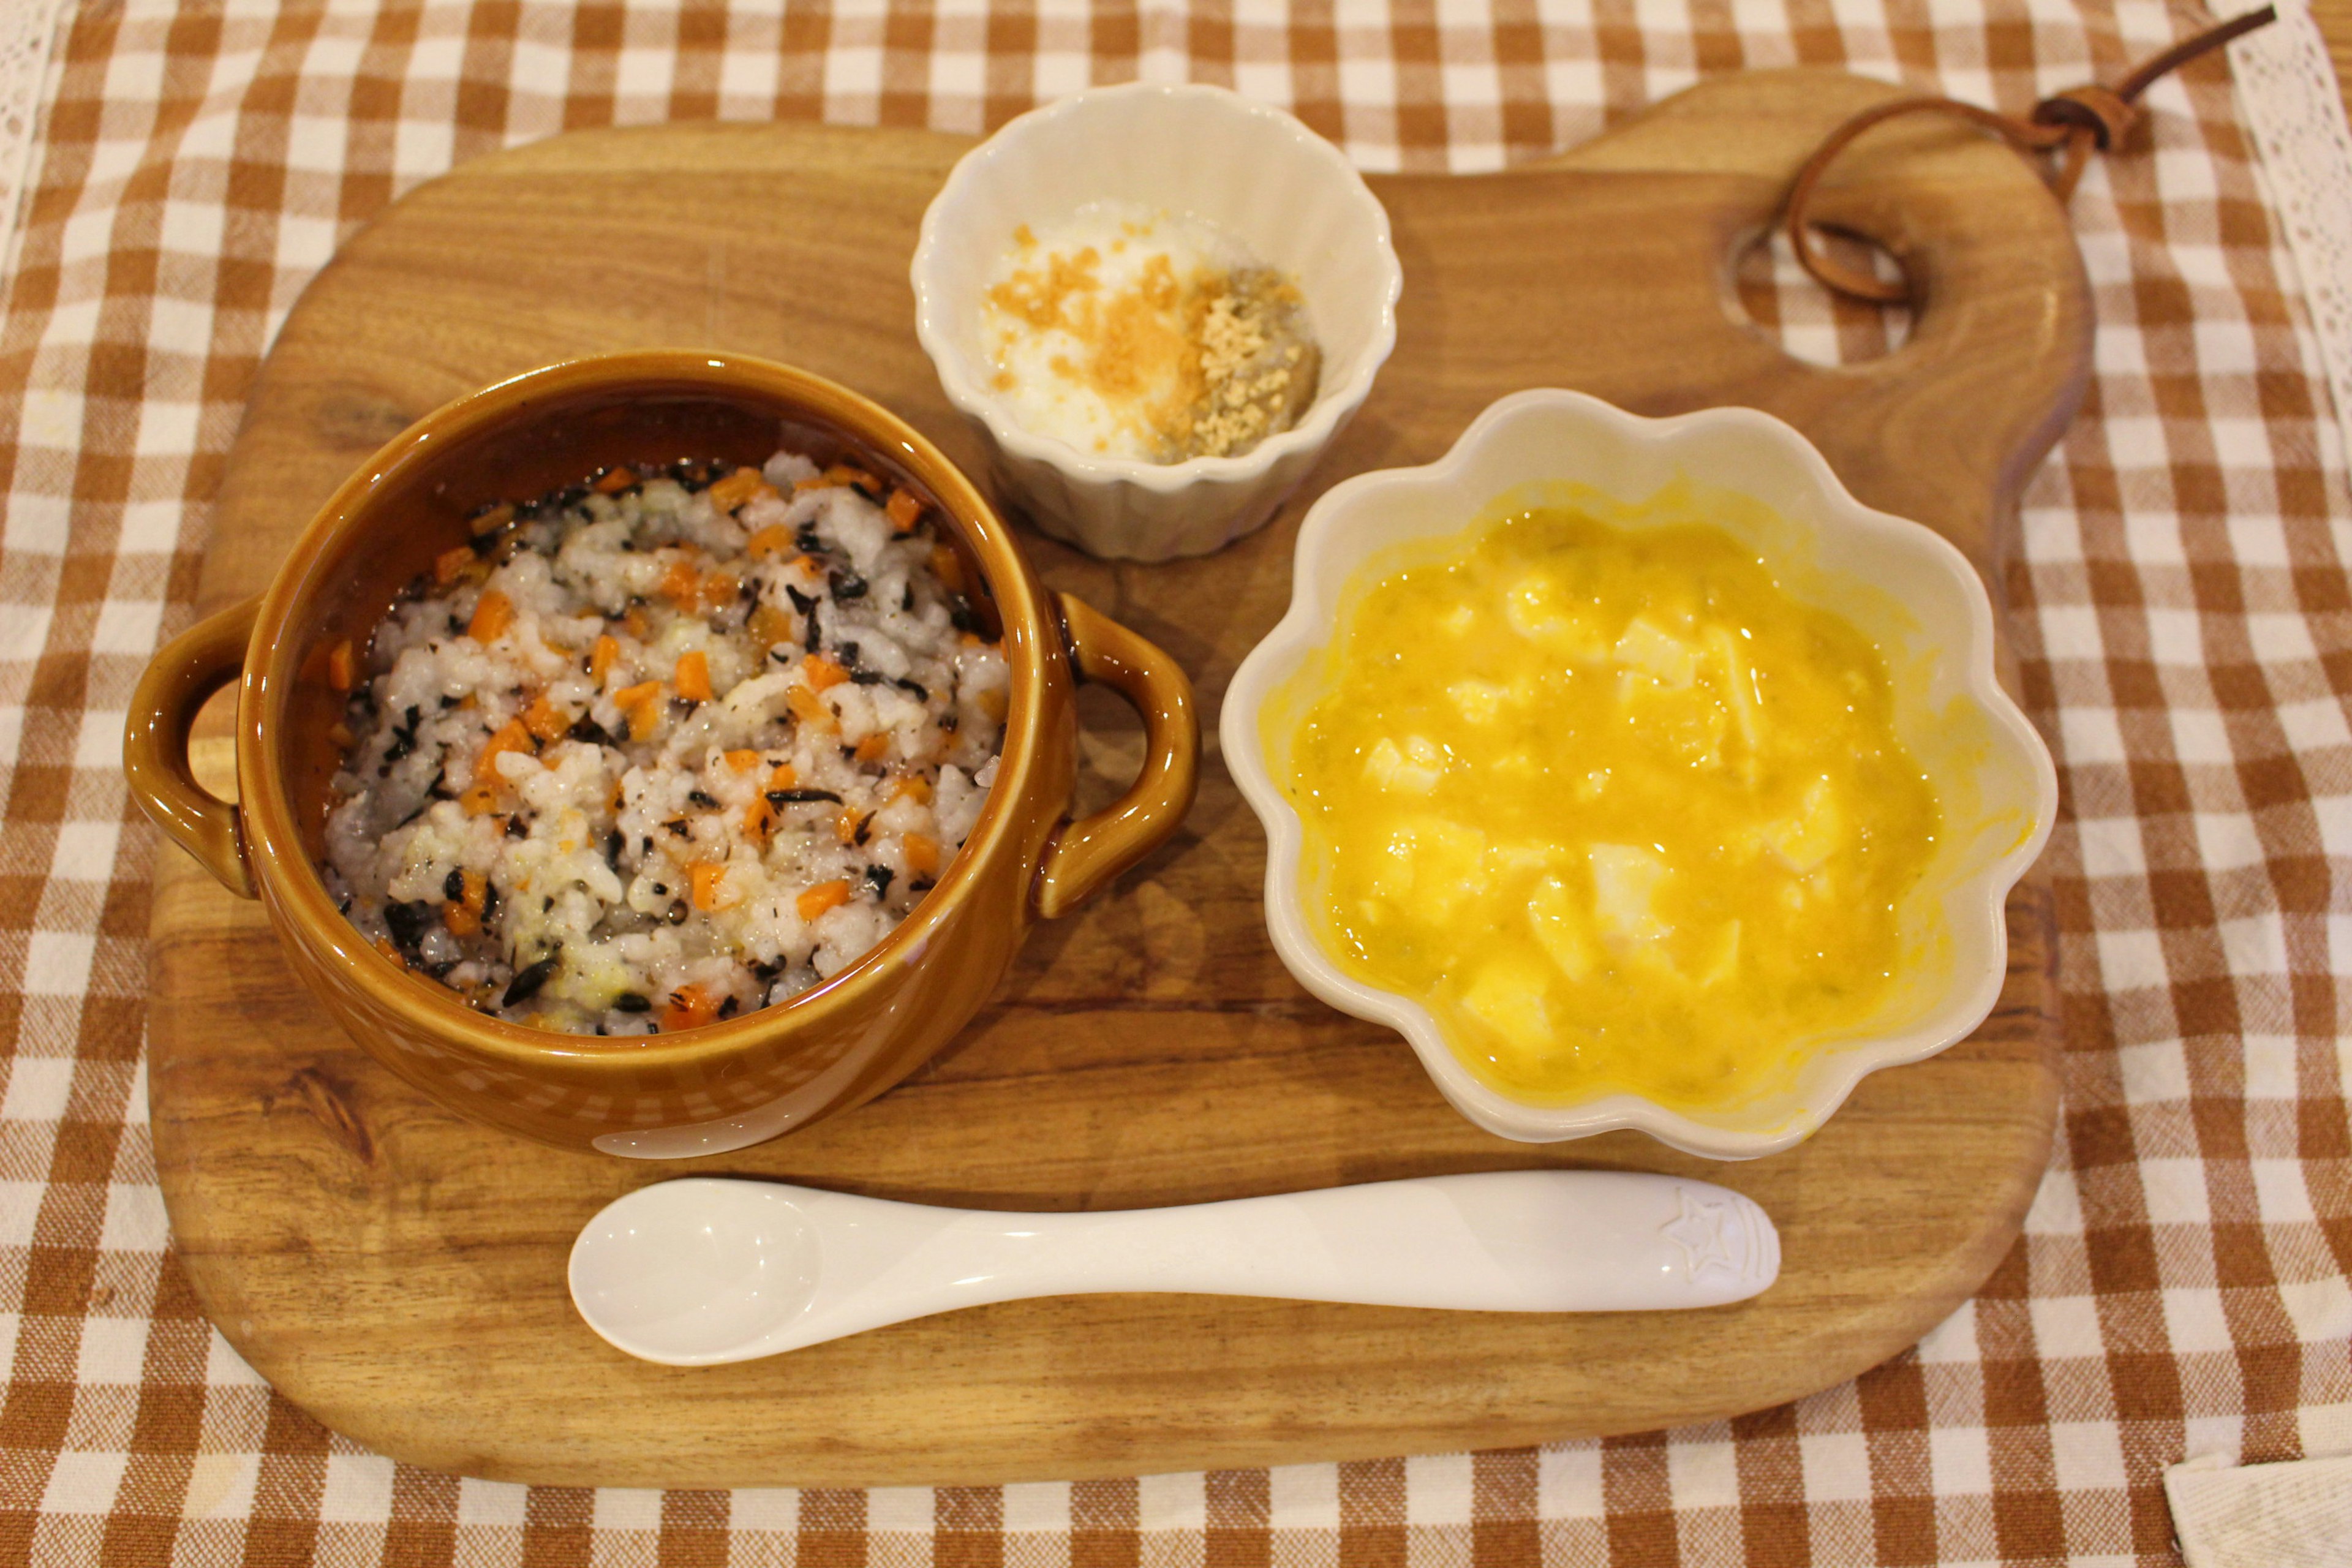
{"x":2073,"y":124}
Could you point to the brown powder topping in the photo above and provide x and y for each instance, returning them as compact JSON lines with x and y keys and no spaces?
{"x":1206,"y":364}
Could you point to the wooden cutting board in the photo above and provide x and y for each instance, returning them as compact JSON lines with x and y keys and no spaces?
{"x":399,"y":1272}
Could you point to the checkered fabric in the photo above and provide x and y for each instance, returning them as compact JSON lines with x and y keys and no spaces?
{"x":2183,"y":615}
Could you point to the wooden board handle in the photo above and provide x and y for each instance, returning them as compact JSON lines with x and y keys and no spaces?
{"x":1092,"y":850}
{"x":174,"y":687}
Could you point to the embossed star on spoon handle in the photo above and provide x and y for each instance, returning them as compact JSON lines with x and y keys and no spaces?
{"x":701,"y":1270}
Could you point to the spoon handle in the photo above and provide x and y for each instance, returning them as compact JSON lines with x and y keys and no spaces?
{"x":700,"y":1272}
{"x":1507,"y":1241}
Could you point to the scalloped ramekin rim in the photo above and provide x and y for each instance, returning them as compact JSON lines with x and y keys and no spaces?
{"x":1332,"y":405}
{"x":1830,"y":1077}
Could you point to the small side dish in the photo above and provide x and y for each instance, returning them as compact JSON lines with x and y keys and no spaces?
{"x":1638,"y":775}
{"x":1112,"y":287}
{"x":664,"y":747}
{"x":1141,"y":334}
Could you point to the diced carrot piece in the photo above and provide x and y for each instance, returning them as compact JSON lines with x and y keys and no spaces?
{"x":904,"y":510}
{"x":759,"y":818}
{"x":769,"y":626}
{"x":694,"y":675}
{"x":615,"y":480}
{"x":478,"y":798}
{"x":773,"y":540}
{"x":810,"y":709}
{"x":493,"y":518}
{"x":873,"y":748}
{"x":450,"y":562}
{"x":542,"y":720}
{"x":844,"y":474}
{"x":511,"y":737}
{"x":922,"y":853}
{"x":806,"y":563}
{"x":642,"y":703}
{"x":822,"y":897}
{"x":742,"y":762}
{"x":719,"y":590}
{"x":492,"y":614}
{"x":461,"y":921}
{"x":601,"y":657}
{"x":340,"y":734}
{"x":823,"y":672}
{"x":948,"y":567}
{"x":690,"y":1006}
{"x":846,"y":824}
{"x":740,"y":487}
{"x":681,"y":584}
{"x":992,"y":703}
{"x":710,"y":879}
{"x":384,"y":946}
{"x":634,"y":623}
{"x":342,"y":666}
{"x":915,"y":786}
{"x":786,"y":776}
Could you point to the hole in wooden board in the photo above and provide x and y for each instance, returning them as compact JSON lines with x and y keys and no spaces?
{"x":1782,"y":301}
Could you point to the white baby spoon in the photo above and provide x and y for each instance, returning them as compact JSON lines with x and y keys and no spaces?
{"x":700,"y":1271}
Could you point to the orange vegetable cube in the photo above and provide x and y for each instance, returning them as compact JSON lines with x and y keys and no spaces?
{"x":742,"y":762}
{"x":811,"y":709}
{"x":542,"y":718}
{"x":634,"y":623}
{"x":904,"y":510}
{"x":759,"y":818}
{"x":873,"y":748}
{"x":511,"y":737}
{"x":823,"y":672}
{"x":452,"y":561}
{"x":769,"y":626}
{"x":694,"y":675}
{"x":922,"y":853}
{"x":690,"y":1006}
{"x":615,"y":480}
{"x":847,"y":821}
{"x":948,"y":567}
{"x":786,"y":776}
{"x":709,"y":880}
{"x":915,"y":786}
{"x":342,"y":666}
{"x":493,"y":614}
{"x":773,"y":540}
{"x":643,"y":704}
{"x":822,"y":897}
{"x":478,"y":798}
{"x":681,"y":584}
{"x":493,"y":518}
{"x":992,"y":703}
{"x":740,"y":487}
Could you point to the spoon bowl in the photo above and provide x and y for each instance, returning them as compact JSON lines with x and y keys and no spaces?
{"x":706,"y":1270}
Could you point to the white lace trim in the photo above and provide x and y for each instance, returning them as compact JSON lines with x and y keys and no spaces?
{"x":27,"y":29}
{"x":2287,"y":92}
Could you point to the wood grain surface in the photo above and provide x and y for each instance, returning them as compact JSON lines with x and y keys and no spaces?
{"x":398,"y":1272}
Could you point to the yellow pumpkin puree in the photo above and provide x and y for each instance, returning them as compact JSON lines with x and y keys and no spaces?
{"x":1620,"y":810}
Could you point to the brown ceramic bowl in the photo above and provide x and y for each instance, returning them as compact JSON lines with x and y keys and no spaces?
{"x":725,"y":1085}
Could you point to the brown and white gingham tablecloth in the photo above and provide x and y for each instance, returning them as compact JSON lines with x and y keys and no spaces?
{"x":2184,"y":617}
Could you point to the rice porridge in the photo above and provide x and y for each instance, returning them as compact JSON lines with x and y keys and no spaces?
{"x":665,"y":746}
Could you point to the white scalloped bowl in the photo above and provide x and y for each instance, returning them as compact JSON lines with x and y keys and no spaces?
{"x":1247,"y":169}
{"x":1901,"y":583}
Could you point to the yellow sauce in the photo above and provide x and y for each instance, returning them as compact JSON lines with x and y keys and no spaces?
{"x":1616,"y":808}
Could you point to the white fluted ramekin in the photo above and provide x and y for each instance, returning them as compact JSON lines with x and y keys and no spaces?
{"x":1252,"y":171}
{"x":1901,"y":583}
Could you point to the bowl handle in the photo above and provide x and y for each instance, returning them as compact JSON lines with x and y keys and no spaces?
{"x":190,"y":669}
{"x":1089,"y":852}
